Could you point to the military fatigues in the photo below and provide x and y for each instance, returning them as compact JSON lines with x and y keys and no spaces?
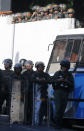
{"x":62,"y":90}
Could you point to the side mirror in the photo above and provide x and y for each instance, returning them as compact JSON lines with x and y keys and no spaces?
{"x":49,"y":46}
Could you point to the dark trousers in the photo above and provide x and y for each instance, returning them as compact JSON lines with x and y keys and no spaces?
{"x":5,"y":96}
{"x":60,"y":104}
{"x":28,"y":108}
{"x":43,"y":111}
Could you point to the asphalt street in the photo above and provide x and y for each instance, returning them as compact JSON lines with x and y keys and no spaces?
{"x":28,"y":128}
{"x":5,"y":126}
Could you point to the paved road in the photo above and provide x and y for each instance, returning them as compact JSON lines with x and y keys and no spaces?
{"x":27,"y":128}
{"x":4,"y":126}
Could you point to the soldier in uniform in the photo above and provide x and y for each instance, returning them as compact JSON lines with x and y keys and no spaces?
{"x":70,"y":13}
{"x":56,"y":13}
{"x":41,"y":14}
{"x":41,"y":80}
{"x":17,"y":71}
{"x":63,"y":9}
{"x":63,"y":84}
{"x":27,"y":75}
{"x":6,"y":84}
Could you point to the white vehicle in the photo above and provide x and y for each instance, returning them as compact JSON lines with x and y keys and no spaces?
{"x":62,"y":48}
{"x":70,"y":45}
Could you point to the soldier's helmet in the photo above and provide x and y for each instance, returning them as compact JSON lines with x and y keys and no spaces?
{"x":29,"y":62}
{"x":7,"y":62}
{"x":63,"y":7}
{"x":17,"y":67}
{"x":22,"y":62}
{"x":70,"y":10}
{"x":65,"y":63}
{"x":39,"y":63}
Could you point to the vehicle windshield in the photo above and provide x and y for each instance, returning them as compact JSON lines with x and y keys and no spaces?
{"x":59,"y":51}
{"x":70,"y":49}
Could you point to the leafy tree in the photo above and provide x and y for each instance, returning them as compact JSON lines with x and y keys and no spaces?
{"x":45,"y":2}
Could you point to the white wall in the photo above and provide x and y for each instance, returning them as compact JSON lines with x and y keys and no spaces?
{"x":31,"y":39}
{"x":6,"y":36}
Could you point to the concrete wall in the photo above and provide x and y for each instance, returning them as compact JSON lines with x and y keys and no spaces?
{"x":30,"y":40}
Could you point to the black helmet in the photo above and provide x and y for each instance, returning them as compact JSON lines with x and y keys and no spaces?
{"x":29,"y":62}
{"x":7,"y":62}
{"x":37,"y":64}
{"x":22,"y":62}
{"x":17,"y":68}
{"x":65,"y":63}
{"x":17,"y":65}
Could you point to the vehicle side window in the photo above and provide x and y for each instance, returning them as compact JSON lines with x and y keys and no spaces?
{"x":82,"y":53}
{"x":69,"y":49}
{"x":72,"y":49}
{"x":75,"y":50}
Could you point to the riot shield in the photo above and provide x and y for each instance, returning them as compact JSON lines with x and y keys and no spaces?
{"x":51,"y":105}
{"x":26,"y":89}
{"x":17,"y":104}
{"x":38,"y":105}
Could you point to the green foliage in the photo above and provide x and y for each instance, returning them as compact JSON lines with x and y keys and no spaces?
{"x":45,"y":2}
{"x":70,"y":4}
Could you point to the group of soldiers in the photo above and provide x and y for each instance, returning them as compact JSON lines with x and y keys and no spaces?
{"x":36,"y":84}
{"x":51,"y":11}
